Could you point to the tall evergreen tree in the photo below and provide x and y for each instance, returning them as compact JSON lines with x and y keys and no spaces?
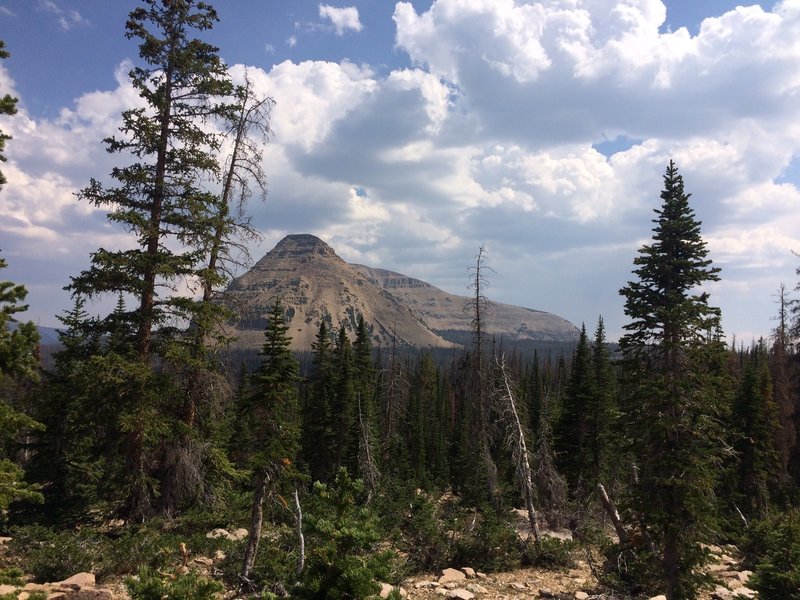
{"x":671,"y":405}
{"x":270,"y":422}
{"x":318,"y":429}
{"x":161,"y":199}
{"x":572,"y":433}
{"x":755,"y":419}
{"x":18,"y":364}
{"x":8,"y":106}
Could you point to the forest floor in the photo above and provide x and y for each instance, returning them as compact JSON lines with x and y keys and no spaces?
{"x":576,"y":583}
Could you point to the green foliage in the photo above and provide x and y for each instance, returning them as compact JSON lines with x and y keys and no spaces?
{"x":151,"y":585}
{"x":773,"y":548}
{"x":12,"y":576}
{"x":8,"y":106}
{"x":673,"y":394}
{"x":343,"y":559}
{"x":487,"y":541}
{"x":418,"y":527}
{"x":18,"y":364}
{"x":550,"y":553}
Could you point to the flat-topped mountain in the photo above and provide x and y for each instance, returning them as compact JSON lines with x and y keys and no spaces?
{"x":315,"y":284}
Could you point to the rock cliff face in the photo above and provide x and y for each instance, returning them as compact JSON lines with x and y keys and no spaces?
{"x":315,"y":284}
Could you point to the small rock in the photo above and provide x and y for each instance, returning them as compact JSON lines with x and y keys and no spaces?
{"x":203,"y":561}
{"x":581,"y":596}
{"x":721,"y":593}
{"x":480,"y":575}
{"x":240,"y":534}
{"x":440,"y":591}
{"x":461,"y":594}
{"x":219,"y":556}
{"x":449,"y":575}
{"x":516,"y":585}
{"x":92,"y":594}
{"x":386,"y":589}
{"x":451,"y":585}
{"x":469,"y":572}
{"x":659,"y":597}
{"x":546,"y":593}
{"x":477,"y":588}
{"x":744,"y":576}
{"x":219,"y":533}
{"x":745,"y":591}
{"x":7,"y":589}
{"x":426,"y":585}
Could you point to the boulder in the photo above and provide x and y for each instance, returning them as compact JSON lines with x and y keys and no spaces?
{"x":581,"y":595}
{"x":469,"y":572}
{"x":78,"y":581}
{"x":461,"y":594}
{"x":240,"y":534}
{"x":477,"y":588}
{"x":220,"y":533}
{"x":451,"y":575}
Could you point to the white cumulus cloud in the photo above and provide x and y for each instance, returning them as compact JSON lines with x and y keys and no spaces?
{"x":342,"y":19}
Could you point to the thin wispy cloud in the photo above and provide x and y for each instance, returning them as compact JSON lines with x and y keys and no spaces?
{"x":342,"y":19}
{"x":67,"y":18}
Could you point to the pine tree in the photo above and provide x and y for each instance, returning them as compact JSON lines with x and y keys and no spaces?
{"x":670,"y":404}
{"x":572,"y":432}
{"x":343,"y":405}
{"x":18,"y":364}
{"x":601,"y":414}
{"x":161,"y":199}
{"x":270,"y":422}
{"x":755,"y":418}
{"x":8,"y":106}
{"x":318,"y":429}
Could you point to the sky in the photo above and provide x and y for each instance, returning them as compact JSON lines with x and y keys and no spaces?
{"x":408,"y":134}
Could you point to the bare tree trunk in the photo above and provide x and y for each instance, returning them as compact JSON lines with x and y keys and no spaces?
{"x":301,"y":540}
{"x":613,"y":514}
{"x":367,"y":465}
{"x":256,"y":519}
{"x":519,"y":450}
{"x":479,"y":304}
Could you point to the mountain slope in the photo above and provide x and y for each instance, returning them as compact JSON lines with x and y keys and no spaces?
{"x":445,"y":313}
{"x":314,"y":284}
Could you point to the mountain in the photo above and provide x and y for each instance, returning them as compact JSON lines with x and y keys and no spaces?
{"x":314,"y":284}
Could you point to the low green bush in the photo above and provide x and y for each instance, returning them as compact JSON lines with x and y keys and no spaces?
{"x":151,"y":585}
{"x":550,"y":553}
{"x":486,"y":541}
{"x":774,"y":547}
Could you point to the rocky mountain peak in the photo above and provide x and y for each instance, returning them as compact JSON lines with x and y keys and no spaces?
{"x":301,"y":245}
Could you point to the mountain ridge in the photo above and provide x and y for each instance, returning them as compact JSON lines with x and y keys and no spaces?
{"x":316,"y":284}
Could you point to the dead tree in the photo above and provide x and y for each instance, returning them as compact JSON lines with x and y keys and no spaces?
{"x":516,"y":435}
{"x":367,"y":466}
{"x":479,"y":306}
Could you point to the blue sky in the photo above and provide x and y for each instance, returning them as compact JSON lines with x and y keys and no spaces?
{"x":407,"y":134}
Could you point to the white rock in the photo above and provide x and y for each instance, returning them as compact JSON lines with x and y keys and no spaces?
{"x":449,"y":575}
{"x":477,"y":588}
{"x":659,"y":597}
{"x":469,"y":572}
{"x":461,"y":594}
{"x":581,"y":595}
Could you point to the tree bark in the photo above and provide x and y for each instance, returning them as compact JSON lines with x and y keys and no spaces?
{"x":253,"y":538}
{"x":613,"y":514}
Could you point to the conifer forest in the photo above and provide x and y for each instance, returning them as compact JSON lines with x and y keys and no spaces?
{"x":353,"y":469}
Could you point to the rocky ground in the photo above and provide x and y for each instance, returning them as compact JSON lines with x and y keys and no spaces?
{"x":462,"y":583}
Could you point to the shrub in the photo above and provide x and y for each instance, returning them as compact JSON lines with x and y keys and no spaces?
{"x":343,"y":560}
{"x":777,"y":568}
{"x":487,"y":542}
{"x":55,"y":555}
{"x":549,"y":553}
{"x":150,"y":585}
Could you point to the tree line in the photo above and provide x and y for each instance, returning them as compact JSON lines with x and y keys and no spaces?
{"x":677,"y":439}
